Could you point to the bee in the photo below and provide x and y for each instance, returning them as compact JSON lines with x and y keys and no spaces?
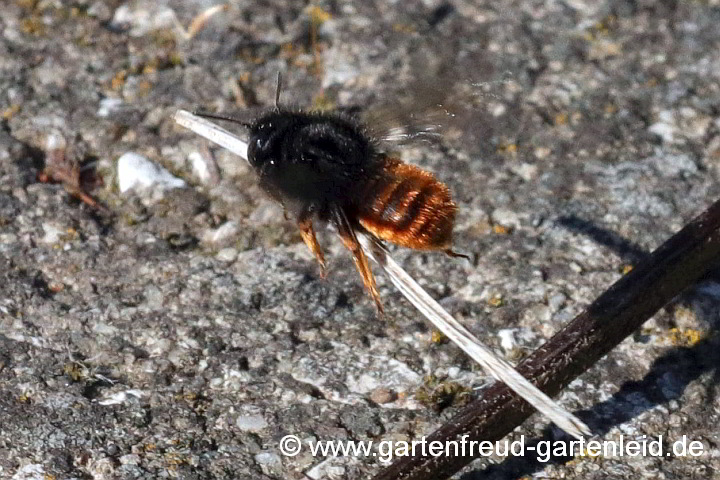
{"x":326,"y":166}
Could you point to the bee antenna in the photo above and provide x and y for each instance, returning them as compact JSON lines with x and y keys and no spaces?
{"x":277,"y":90}
{"x":217,"y":116}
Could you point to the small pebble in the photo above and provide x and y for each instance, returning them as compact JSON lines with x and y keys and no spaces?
{"x":227,"y":254}
{"x":154,"y":297}
{"x":32,"y":471}
{"x":251,"y":423}
{"x":109,"y":106}
{"x":140,"y":20}
{"x":505,"y":217}
{"x":526,"y":171}
{"x":326,"y":469}
{"x":223,"y":232}
{"x":507,"y":338}
{"x":136,"y":171}
{"x":556,"y":302}
{"x":270,"y":462}
{"x":200,"y":167}
{"x":53,"y":233}
{"x":383,"y":395}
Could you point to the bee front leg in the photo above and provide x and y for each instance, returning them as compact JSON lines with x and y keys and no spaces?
{"x":347,"y":234}
{"x":307,"y":232}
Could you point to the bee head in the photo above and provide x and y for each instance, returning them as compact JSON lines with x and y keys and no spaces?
{"x":266,"y":136}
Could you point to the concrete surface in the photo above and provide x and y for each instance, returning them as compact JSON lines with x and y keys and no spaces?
{"x":187,"y":331}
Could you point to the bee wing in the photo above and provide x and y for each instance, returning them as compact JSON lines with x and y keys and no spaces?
{"x":440,"y":102}
{"x":423,"y":115}
{"x":424,"y":105}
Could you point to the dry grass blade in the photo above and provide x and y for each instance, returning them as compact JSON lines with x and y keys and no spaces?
{"x":433,"y":311}
{"x":212,"y":132}
{"x":443,"y":321}
{"x":199,"y":22}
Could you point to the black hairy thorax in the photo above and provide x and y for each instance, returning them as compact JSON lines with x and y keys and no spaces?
{"x":312,"y":160}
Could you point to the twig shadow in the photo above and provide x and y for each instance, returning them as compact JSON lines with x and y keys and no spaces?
{"x":625,"y":248}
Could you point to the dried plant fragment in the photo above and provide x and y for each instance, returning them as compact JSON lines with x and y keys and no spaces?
{"x":62,"y":168}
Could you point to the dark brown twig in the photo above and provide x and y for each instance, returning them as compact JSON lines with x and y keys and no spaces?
{"x":676,"y":265}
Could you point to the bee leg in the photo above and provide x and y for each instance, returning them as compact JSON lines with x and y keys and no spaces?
{"x":449,"y":252}
{"x":347,"y":235}
{"x":308,"y":235}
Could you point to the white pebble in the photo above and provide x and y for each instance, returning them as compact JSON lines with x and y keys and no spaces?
{"x":141,"y":20}
{"x":154,"y":297}
{"x":56,"y":141}
{"x":122,"y":397}
{"x":53,"y":233}
{"x":663,"y":130}
{"x":32,"y":471}
{"x":200,"y":167}
{"x":269,"y":462}
{"x":556,"y":302}
{"x":505,"y":217}
{"x":665,"y":127}
{"x":251,"y":423}
{"x":108,"y":106}
{"x":227,"y":254}
{"x":526,"y":171}
{"x":223,"y":232}
{"x":137,"y":171}
{"x":326,"y":469}
{"x":507,"y":338}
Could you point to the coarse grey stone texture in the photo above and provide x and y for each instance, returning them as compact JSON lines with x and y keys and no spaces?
{"x":186,"y":332}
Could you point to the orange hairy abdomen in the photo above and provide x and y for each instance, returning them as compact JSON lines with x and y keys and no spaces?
{"x":409,"y":207}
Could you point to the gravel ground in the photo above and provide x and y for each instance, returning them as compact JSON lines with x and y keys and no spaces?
{"x":184,"y":331}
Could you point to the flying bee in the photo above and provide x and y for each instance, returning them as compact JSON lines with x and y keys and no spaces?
{"x":326,"y":166}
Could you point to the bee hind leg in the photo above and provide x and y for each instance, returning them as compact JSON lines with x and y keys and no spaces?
{"x":307,"y":232}
{"x":349,"y":239}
